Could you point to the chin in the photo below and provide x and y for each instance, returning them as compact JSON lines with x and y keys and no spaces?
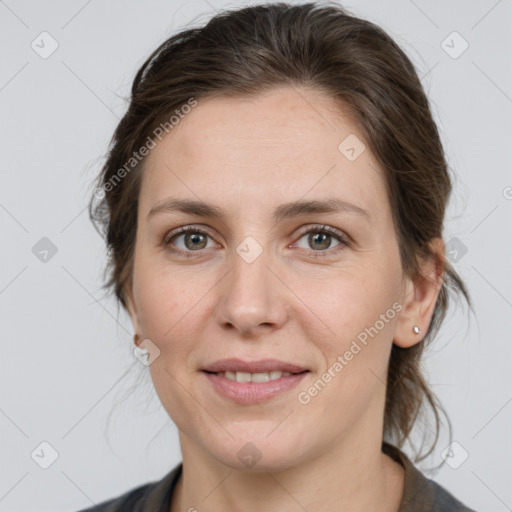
{"x":259,"y":451}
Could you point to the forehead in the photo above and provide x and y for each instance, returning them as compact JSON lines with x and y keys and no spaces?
{"x":284,"y":144}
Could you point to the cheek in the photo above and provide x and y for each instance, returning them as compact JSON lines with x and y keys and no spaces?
{"x":354,"y":337}
{"x":344,"y":305}
{"x":165,"y":304}
{"x":351,"y":320}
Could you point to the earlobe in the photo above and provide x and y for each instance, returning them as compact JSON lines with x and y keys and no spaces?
{"x":419,"y":299}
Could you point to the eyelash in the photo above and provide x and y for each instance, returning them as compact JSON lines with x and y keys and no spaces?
{"x":343,"y":239}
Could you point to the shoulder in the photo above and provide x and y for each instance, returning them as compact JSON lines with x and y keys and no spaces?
{"x":422,"y":494}
{"x":425,"y":494}
{"x":153,"y":496}
{"x":445,"y":502}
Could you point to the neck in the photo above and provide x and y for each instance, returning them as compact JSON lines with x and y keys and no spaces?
{"x":351,"y":475}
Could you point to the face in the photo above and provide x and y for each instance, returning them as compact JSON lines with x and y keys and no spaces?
{"x":318,"y":289}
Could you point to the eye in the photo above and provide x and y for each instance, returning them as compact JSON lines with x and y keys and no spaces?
{"x":319,"y":239}
{"x":193,"y":239}
{"x":187,"y":240}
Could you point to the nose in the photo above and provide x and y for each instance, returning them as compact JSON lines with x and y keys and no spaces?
{"x":252,"y":297}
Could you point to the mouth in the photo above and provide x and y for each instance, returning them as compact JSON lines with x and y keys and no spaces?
{"x":253,"y":382}
{"x":254,"y":377}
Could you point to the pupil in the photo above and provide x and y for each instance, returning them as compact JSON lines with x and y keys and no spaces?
{"x":323,"y":238}
{"x":195,"y":237}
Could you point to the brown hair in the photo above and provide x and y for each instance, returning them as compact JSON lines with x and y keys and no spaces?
{"x":252,"y":50}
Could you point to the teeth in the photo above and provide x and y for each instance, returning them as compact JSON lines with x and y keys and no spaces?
{"x":243,"y":377}
{"x":253,"y":377}
{"x":260,"y":377}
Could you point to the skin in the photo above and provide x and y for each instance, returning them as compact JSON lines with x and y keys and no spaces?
{"x":248,"y":156}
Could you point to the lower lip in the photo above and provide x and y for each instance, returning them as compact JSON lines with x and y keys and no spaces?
{"x":253,"y":392}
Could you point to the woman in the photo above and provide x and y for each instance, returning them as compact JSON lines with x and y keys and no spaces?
{"x":273,"y":205}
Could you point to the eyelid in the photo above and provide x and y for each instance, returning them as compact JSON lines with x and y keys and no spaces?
{"x":325,"y":228}
{"x":344,"y":239}
{"x":168,"y":237}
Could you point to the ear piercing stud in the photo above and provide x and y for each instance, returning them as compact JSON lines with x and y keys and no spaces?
{"x":416,"y":329}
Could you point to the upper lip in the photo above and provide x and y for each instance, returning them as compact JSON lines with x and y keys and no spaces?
{"x":263,"y":365}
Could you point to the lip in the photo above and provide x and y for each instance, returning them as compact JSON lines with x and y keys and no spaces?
{"x":263,"y":365}
{"x":253,"y":392}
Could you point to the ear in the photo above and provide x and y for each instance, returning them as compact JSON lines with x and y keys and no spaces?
{"x":132,"y":310}
{"x":419,"y":298}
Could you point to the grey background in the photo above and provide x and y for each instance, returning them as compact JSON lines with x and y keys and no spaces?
{"x":66,"y":353}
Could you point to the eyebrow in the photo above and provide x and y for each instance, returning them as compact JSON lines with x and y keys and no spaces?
{"x":287,"y":210}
